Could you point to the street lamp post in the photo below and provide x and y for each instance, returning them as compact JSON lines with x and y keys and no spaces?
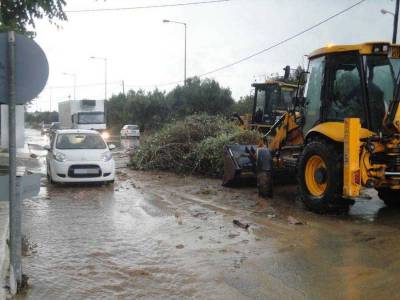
{"x":73,"y":75}
{"x":105,"y":74}
{"x":185,"y":25}
{"x":395,"y":21}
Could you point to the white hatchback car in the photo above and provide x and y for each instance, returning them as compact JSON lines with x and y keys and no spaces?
{"x":77,"y":155}
{"x":129,"y":131}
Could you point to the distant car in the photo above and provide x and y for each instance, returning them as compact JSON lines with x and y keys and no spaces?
{"x":77,"y":155}
{"x":129,"y":131}
{"x":45,"y":129}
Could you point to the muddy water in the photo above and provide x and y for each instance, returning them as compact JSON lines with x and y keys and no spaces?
{"x":156,"y":235}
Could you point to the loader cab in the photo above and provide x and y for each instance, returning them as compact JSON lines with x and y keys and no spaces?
{"x":351,"y":81}
{"x":271,"y":100}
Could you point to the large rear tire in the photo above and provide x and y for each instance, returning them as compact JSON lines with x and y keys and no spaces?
{"x":390,"y":197}
{"x":320,"y":177}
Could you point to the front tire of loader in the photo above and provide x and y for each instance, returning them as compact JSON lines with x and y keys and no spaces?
{"x":320,"y":177}
{"x":390,"y":197}
{"x":264,"y":184}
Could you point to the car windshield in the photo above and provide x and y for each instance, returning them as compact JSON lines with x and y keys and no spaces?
{"x":133,"y":127}
{"x":46,"y":126}
{"x":80,"y":141}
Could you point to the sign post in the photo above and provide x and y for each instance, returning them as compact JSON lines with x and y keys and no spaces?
{"x":23,"y":74}
{"x":15,"y":204}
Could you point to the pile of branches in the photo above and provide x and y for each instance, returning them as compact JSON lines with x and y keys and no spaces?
{"x":193,"y":145}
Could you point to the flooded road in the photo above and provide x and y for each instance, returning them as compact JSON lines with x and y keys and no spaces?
{"x":157,"y":235}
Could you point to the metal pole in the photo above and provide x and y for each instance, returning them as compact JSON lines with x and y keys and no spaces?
{"x":395,"y":22}
{"x":185,"y":53}
{"x":123,"y":87}
{"x":15,"y":204}
{"x":74,"y":86}
{"x":51,"y":92}
{"x":105,"y":79}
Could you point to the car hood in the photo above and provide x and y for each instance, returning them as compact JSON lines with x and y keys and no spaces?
{"x":83,"y":154}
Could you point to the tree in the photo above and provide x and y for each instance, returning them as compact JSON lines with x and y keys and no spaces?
{"x":148,"y":110}
{"x":200,"y":96}
{"x":18,"y":15}
{"x":244,"y":105}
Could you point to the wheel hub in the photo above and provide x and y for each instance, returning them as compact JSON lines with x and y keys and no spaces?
{"x":316,"y":176}
{"x":320,"y":175}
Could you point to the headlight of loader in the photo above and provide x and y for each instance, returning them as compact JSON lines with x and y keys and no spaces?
{"x":61,"y":157}
{"x":106,"y":156}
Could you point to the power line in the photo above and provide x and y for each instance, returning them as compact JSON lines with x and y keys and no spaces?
{"x":270,"y":47}
{"x":254,"y":54}
{"x":283,"y":41}
{"x":145,"y":7}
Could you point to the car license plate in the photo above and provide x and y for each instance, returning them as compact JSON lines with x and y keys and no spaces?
{"x":86,"y":171}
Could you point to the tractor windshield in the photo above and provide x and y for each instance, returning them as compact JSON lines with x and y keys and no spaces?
{"x":381,"y":74}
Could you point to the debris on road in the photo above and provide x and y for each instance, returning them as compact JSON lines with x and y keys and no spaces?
{"x":178,"y":217}
{"x":240,"y":224}
{"x":180,"y":246}
{"x":294,"y":221}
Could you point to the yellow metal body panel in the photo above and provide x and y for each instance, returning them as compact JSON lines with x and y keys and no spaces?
{"x":396,"y":121}
{"x":288,"y":125}
{"x":351,"y":167}
{"x":335,"y":131}
{"x":366,"y":48}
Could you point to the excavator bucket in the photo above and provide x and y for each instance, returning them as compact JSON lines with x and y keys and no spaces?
{"x":239,"y":163}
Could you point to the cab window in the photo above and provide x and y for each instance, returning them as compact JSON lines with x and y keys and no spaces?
{"x":345,"y":96}
{"x":380,"y":73}
{"x":313,"y":92}
{"x":260,"y":105}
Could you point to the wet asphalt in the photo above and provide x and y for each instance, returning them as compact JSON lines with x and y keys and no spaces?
{"x":156,"y":235}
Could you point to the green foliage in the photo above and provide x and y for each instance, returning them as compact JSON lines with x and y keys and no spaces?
{"x":200,"y":96}
{"x":18,"y":15}
{"x":244,"y":105}
{"x":153,"y":109}
{"x":192,"y":145}
{"x":35,"y":119}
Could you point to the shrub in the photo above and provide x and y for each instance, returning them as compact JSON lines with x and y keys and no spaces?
{"x":193,"y":145}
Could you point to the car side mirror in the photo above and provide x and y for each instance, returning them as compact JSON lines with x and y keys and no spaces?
{"x":111,"y":147}
{"x":47,"y":147}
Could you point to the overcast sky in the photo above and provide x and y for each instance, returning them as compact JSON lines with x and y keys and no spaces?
{"x":145,"y":52}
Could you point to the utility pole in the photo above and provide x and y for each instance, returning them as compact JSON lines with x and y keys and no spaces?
{"x":185,"y":51}
{"x":395,"y":22}
{"x":51,"y":94}
{"x":104,"y":59}
{"x":123,"y":87}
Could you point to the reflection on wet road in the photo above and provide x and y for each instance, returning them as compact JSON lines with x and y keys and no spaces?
{"x":155,"y":235}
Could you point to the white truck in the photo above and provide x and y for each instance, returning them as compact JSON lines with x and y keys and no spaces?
{"x":82,"y":114}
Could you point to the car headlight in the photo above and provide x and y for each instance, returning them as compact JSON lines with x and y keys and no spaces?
{"x":106,"y":156}
{"x":61,"y":157}
{"x":105,"y":135}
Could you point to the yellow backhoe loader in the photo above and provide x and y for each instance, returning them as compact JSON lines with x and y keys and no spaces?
{"x":348,"y":137}
{"x":272,"y":99}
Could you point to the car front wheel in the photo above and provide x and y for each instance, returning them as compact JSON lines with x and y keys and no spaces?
{"x":49,"y":177}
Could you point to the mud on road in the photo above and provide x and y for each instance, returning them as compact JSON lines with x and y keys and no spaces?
{"x":158,"y":235}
